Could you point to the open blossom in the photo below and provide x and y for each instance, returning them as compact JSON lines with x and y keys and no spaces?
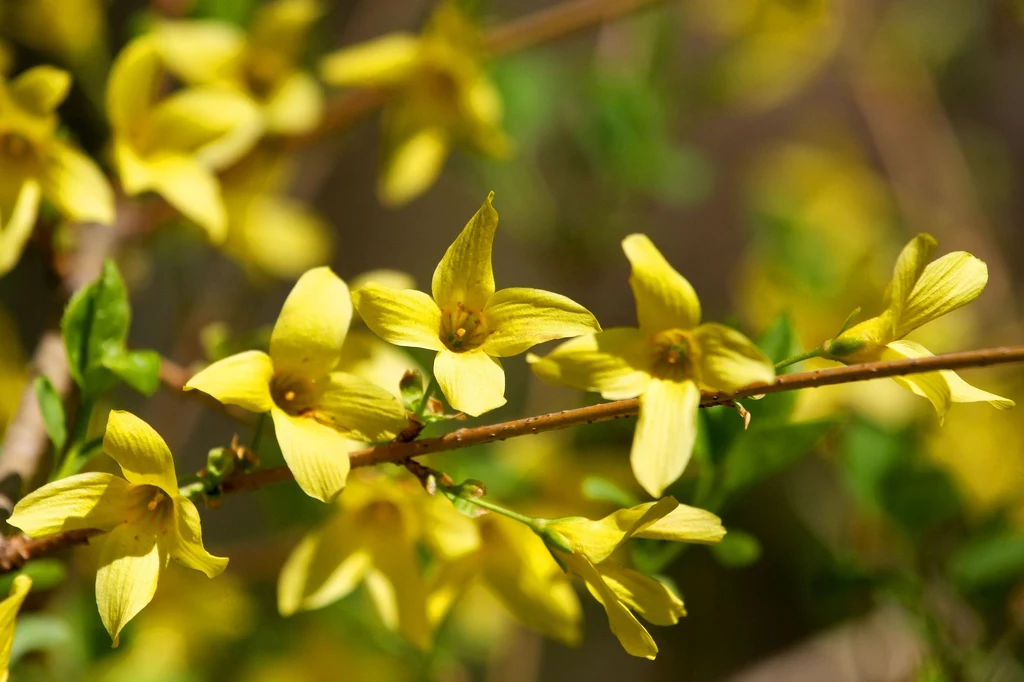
{"x":467,"y":322}
{"x":666,"y":361}
{"x":145,"y":519}
{"x":920,"y":292}
{"x":318,"y":412}
{"x":36,"y":164}
{"x":440,"y":95}
{"x":584,"y":548}
{"x":8,"y":614}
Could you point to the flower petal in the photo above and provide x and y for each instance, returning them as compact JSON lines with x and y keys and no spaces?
{"x":412,"y":163}
{"x":242,"y":379}
{"x":92,"y":500}
{"x":130,"y":564}
{"x":360,"y":409}
{"x":597,"y":540}
{"x":909,"y":265}
{"x":143,"y":455}
{"x":76,"y":186}
{"x":187,"y":545}
{"x":664,"y":299}
{"x":613,"y":362}
{"x":651,"y":599}
{"x":519,"y":319}
{"x":16,"y":227}
{"x":728,"y":360}
{"x":8,"y":615}
{"x":685,"y":524}
{"x":201,"y":51}
{"x":311,"y":328}
{"x":189,"y":187}
{"x":464,"y":275}
{"x":316,"y":454}
{"x":946,"y":284}
{"x":387,"y":60}
{"x":473,"y":382}
{"x":41,"y":89}
{"x":133,"y":83}
{"x":281,"y":237}
{"x":296,"y":107}
{"x":665,"y":433}
{"x":404,"y":317}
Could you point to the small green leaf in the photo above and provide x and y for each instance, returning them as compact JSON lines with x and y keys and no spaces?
{"x":140,"y":369}
{"x":45,"y":574}
{"x":779,"y":340}
{"x":95,"y":326}
{"x":737,"y":549}
{"x":767,"y":449}
{"x":41,"y":632}
{"x":411,"y":388}
{"x":602,"y":490}
{"x":996,"y":559}
{"x":52,"y":408}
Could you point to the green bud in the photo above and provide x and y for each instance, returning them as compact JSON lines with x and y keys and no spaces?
{"x":842,"y":346}
{"x":411,"y":388}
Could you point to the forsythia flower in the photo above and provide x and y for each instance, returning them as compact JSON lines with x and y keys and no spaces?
{"x":510,"y":561}
{"x":467,"y":321}
{"x":584,"y":546}
{"x":36,"y":164}
{"x":263,"y":67}
{"x":8,"y":612}
{"x":440,"y":95}
{"x":919,"y":293}
{"x":667,"y":361}
{"x":318,"y":412}
{"x":173,"y":147}
{"x":146,"y":519}
{"x":370,"y":539}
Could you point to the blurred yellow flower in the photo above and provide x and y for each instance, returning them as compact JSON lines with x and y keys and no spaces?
{"x":666,"y":361}
{"x":37,"y":164}
{"x":440,"y":95}
{"x":146,"y":519}
{"x":263,"y":66}
{"x":469,"y":323}
{"x":919,"y":293}
{"x":173,"y":146}
{"x":584,"y":546}
{"x":66,"y":28}
{"x":8,"y":613}
{"x":318,"y":411}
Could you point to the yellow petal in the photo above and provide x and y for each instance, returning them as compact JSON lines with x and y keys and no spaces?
{"x":394,"y":559}
{"x":187,"y":545}
{"x":367,"y":356}
{"x":393,"y":279}
{"x":404,"y":317}
{"x":310,"y":331}
{"x":633,"y":637}
{"x":651,"y":599}
{"x":909,"y":265}
{"x":360,"y":409}
{"x":133,"y":83}
{"x":316,"y":454}
{"x":40,"y":89}
{"x":191,"y":188}
{"x":384,"y":61}
{"x":664,"y":299}
{"x":946,"y":284}
{"x":729,"y":360}
{"x":685,"y":524}
{"x":242,"y":379}
{"x":447,"y":583}
{"x":473,"y":382}
{"x":92,"y":500}
{"x":76,"y":186}
{"x":295,"y":107}
{"x":130,"y":564}
{"x":216,"y":126}
{"x":519,"y":319}
{"x":412,"y":164}
{"x":596,"y":540}
{"x":201,"y":51}
{"x":143,"y":455}
{"x":464,"y":275}
{"x":16,"y":227}
{"x":8,"y":615}
{"x":613,"y":362}
{"x":665,"y":432}
{"x":283,"y":238}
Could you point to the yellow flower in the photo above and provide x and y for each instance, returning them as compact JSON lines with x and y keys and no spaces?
{"x":146,"y":519}
{"x":667,"y":361}
{"x":439,"y":95}
{"x":36,"y":164}
{"x":318,"y":412}
{"x":371,"y":539}
{"x":469,"y":323}
{"x":262,"y":66}
{"x":172,"y":147}
{"x":8,"y":612}
{"x":74,"y":30}
{"x":514,"y":565}
{"x":919,"y":293}
{"x":584,"y":547}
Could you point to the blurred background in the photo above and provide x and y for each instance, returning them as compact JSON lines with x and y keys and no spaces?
{"x":779,"y":153}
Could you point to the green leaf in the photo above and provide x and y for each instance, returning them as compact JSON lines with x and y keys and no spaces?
{"x":779,"y":341}
{"x":737,"y":549}
{"x":411,"y":388}
{"x":52,"y":408}
{"x":994,"y":560}
{"x":40,"y":632}
{"x":768,"y":449}
{"x":45,"y":574}
{"x":95,"y":325}
{"x":139,"y":369}
{"x":602,"y":490}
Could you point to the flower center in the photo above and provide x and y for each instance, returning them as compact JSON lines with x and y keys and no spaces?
{"x":462,"y":329}
{"x":14,"y":146}
{"x":151,"y":507}
{"x":294,"y":395}
{"x":673,"y":352}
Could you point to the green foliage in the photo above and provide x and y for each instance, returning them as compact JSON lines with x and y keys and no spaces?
{"x":52,"y":408}
{"x":996,"y":559}
{"x":769,"y":449}
{"x":600,"y":489}
{"x":737,"y":549}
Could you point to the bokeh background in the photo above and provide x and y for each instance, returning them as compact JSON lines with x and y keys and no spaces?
{"x":779,"y":152}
